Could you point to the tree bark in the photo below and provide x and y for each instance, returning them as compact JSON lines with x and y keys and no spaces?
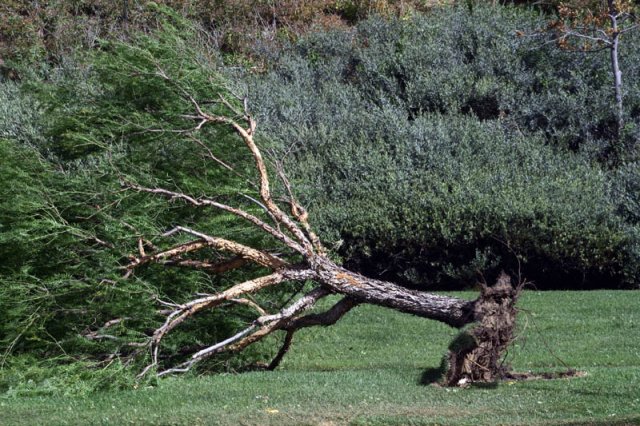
{"x":615,"y":66}
{"x":449,"y":310}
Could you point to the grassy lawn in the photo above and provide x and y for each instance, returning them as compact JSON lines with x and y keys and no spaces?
{"x":369,"y":369}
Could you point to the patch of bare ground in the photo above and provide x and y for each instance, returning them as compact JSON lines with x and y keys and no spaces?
{"x":570,"y":373}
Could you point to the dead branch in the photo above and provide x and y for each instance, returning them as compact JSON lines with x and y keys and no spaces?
{"x":252,"y":304}
{"x":299,"y":212}
{"x":327,"y":318}
{"x":247,"y":136}
{"x":245,"y":253}
{"x":212,"y":267}
{"x":265,"y":325}
{"x":198,"y":202}
{"x":186,"y":310}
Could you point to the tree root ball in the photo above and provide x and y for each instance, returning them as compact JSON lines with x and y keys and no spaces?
{"x":476,"y":354}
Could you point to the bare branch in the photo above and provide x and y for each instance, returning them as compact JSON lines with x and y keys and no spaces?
{"x":262,"y":258}
{"x":631,"y":28}
{"x":276,"y":322}
{"x":299,"y":212}
{"x":231,"y":107}
{"x":263,"y":207}
{"x":247,"y":136}
{"x":205,"y":353}
{"x":98,"y":335}
{"x":215,"y":268}
{"x":576,"y":34}
{"x":245,"y":253}
{"x":265,"y":192}
{"x":211,"y":156}
{"x":326,"y":318}
{"x":244,"y":338}
{"x":252,"y":304}
{"x":208,"y":202}
{"x":189,"y":309}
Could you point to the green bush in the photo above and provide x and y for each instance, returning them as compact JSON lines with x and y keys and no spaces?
{"x":433,"y":148}
{"x":21,"y":117}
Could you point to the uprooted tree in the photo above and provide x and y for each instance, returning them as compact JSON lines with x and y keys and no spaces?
{"x":302,"y":258}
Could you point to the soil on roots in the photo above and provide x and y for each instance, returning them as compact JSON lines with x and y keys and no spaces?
{"x":476,"y":355}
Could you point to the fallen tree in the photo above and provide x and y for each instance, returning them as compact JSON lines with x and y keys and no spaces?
{"x":305,"y":260}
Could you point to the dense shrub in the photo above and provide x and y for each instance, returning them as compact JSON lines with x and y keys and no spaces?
{"x":443,"y":145}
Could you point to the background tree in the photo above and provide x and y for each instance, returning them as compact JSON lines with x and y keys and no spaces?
{"x":592,"y":25}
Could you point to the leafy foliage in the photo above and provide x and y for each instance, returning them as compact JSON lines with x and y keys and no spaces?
{"x":440,"y":146}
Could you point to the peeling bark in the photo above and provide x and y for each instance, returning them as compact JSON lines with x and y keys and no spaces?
{"x":449,"y":310}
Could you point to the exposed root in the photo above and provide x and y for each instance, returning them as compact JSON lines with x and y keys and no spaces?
{"x":476,"y":355}
{"x":570,"y":373}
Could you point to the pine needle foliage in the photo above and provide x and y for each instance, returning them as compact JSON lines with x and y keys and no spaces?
{"x":67,"y":225}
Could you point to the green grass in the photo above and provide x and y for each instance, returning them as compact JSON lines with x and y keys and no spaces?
{"x":368,"y":369}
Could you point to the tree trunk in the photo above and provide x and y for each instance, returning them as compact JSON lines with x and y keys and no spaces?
{"x":475,"y":355}
{"x":449,"y":310}
{"x":615,"y":66}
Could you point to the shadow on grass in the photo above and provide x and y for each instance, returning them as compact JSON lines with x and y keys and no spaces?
{"x":628,"y":421}
{"x":431,"y":375}
{"x":434,"y":375}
